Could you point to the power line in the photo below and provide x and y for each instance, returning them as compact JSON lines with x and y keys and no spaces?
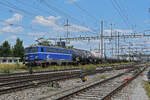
{"x":122,"y":11}
{"x":84,"y":10}
{"x":59,"y":11}
{"x":65,"y":14}
{"x":10,"y":5}
{"x":119,"y":13}
{"x":36,"y":8}
{"x":16,"y":25}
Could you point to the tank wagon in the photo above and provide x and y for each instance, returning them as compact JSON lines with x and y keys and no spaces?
{"x":45,"y":55}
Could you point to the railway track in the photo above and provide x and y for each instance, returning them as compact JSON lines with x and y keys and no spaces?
{"x":25,"y":82}
{"x":35,"y":72}
{"x":48,"y":71}
{"x":38,"y":75}
{"x":99,"y":90}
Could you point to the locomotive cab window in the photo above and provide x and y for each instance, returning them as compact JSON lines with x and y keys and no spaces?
{"x":42,"y":50}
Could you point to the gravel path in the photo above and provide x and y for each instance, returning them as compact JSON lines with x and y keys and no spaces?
{"x":35,"y":93}
{"x":135,"y":90}
{"x":139,"y":93}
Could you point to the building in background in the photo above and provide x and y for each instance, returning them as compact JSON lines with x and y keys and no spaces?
{"x":9,"y":60}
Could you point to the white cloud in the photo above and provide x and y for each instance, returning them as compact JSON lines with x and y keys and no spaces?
{"x":118,"y":30}
{"x":77,"y":28}
{"x":46,"y":21}
{"x":16,"y":18}
{"x":9,"y":29}
{"x":52,"y":21}
{"x":72,"y":1}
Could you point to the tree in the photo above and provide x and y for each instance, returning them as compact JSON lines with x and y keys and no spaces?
{"x":18,"y":50}
{"x":5,"y":50}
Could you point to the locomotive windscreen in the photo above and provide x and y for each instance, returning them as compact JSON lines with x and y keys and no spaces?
{"x":31,"y":50}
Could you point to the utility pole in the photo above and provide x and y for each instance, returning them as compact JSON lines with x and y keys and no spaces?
{"x":111,"y":37}
{"x":101,"y":39}
{"x":111,"y":29}
{"x":99,"y":46}
{"x":118,"y":45}
{"x":129,"y":49}
{"x":105,"y":51}
{"x":67,"y":25}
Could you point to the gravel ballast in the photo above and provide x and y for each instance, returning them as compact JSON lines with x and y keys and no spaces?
{"x":46,"y":90}
{"x":135,"y":90}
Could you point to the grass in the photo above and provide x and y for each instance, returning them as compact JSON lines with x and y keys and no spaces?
{"x":12,"y":68}
{"x":147,"y":88}
{"x":115,"y":64}
{"x":103,"y":77}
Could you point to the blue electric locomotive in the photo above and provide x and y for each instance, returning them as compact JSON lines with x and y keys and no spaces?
{"x":47,"y":55}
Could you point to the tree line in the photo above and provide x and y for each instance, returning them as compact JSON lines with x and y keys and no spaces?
{"x":6,"y":50}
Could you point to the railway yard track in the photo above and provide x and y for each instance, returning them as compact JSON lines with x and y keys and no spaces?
{"x":17,"y":83}
{"x":39,"y":74}
{"x":99,"y":90}
{"x":35,"y":72}
{"x":12,"y":84}
{"x":48,"y":71}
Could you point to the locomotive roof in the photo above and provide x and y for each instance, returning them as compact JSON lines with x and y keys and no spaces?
{"x":57,"y":47}
{"x":48,"y":46}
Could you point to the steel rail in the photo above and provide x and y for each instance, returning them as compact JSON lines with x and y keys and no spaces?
{"x":119,"y":88}
{"x":67,"y":96}
{"x":47,"y":74}
{"x":28,"y":83}
{"x":35,"y":72}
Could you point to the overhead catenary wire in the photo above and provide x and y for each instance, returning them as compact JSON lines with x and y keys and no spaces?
{"x":10,"y":5}
{"x":59,"y":11}
{"x":66,"y":15}
{"x":118,"y":11}
{"x":85,"y":11}
{"x":36,"y":8}
{"x":122,"y":11}
{"x":17,"y":25}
